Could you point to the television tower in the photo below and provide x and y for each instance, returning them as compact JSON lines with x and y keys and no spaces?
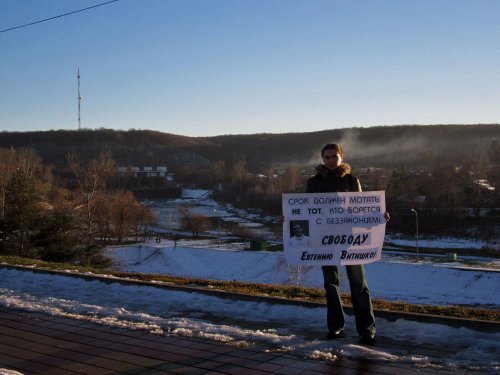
{"x":79,"y":101}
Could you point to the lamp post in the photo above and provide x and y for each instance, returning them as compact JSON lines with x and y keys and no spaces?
{"x":416,"y":223}
{"x":218,"y":227}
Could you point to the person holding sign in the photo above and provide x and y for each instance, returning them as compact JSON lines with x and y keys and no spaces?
{"x":335,"y":176}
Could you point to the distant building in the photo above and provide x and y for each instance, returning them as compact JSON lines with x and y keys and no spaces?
{"x":158,"y":171}
{"x":484,"y":184}
{"x":149,"y":182}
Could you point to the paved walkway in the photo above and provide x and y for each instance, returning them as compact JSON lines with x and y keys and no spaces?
{"x":35,"y":343}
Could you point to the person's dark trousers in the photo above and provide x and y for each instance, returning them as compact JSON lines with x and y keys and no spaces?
{"x":360,"y":295}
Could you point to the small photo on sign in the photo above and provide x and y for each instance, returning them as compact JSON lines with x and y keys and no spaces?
{"x":299,"y":233}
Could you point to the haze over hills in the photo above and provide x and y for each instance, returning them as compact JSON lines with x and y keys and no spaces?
{"x":381,"y":146}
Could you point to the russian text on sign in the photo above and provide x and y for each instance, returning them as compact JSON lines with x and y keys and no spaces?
{"x":340,"y":228}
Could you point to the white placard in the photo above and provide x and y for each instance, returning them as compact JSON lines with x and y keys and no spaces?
{"x":333,"y":228}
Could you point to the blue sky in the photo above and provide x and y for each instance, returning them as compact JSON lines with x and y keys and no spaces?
{"x":211,"y":67}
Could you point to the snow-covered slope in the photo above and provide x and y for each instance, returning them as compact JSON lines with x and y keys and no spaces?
{"x":391,"y":278}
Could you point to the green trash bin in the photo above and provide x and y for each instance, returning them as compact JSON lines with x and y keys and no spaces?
{"x":450,"y":257}
{"x":258,"y":245}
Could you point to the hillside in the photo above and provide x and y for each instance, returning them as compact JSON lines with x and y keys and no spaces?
{"x":388,"y":146}
{"x":143,"y":147}
{"x":381,"y":146}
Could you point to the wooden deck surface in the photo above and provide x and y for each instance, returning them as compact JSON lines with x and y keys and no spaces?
{"x":35,"y":343}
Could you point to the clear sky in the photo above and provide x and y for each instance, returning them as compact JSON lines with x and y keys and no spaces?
{"x":211,"y":67}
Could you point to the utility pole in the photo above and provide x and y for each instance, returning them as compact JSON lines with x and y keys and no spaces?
{"x":416,"y":222}
{"x":79,"y":101}
{"x":218,"y":227}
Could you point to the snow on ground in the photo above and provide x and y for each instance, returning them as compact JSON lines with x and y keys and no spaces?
{"x":392,"y":278}
{"x":439,"y":243}
{"x":195,"y":193}
{"x":163,"y":311}
{"x":4,"y":371}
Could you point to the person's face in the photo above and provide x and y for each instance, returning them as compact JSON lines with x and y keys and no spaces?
{"x":297,"y":230}
{"x":332,"y":159}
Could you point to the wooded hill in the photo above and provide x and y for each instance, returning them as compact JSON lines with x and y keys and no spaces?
{"x":380,"y":146}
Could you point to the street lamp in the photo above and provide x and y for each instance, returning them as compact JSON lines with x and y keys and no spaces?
{"x":218,"y":227}
{"x":416,"y":222}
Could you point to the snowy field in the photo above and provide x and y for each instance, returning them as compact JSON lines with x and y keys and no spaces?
{"x":394,"y":278}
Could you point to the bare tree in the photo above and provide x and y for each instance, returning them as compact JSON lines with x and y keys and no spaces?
{"x":124,"y":213}
{"x":91,"y":183}
{"x":442,"y":190}
{"x":142,"y":219}
{"x":103,"y":217}
{"x":28,"y":161}
{"x":7,"y":166}
{"x":290,"y":180}
{"x":296,"y":273}
{"x":216,"y":171}
{"x":473,"y":176}
{"x":196,"y":223}
{"x":237,"y":173}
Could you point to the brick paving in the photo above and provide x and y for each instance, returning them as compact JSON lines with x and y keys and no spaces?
{"x":35,"y":343}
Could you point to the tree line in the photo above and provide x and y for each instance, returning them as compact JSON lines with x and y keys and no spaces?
{"x":451,"y":196}
{"x":68,"y":222}
{"x":379,"y":146}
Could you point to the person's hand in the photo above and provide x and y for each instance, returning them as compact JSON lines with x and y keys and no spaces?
{"x":387,"y":216}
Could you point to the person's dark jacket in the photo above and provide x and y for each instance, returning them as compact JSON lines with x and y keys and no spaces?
{"x":338,"y":180}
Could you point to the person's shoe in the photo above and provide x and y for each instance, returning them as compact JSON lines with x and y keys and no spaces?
{"x":368,"y":339}
{"x":332,"y":335}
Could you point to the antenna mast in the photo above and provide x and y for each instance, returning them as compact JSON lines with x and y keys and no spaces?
{"x":79,"y":101}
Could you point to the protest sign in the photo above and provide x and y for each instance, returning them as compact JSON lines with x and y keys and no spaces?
{"x":333,"y":228}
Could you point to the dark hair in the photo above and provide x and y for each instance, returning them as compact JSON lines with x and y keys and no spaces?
{"x":332,"y":146}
